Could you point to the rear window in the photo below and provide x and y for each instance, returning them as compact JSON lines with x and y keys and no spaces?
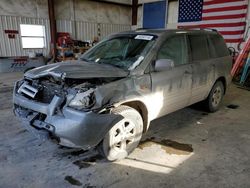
{"x":217,"y":46}
{"x":199,"y":47}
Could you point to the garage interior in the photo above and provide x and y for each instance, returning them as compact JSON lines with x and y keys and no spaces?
{"x":187,"y":148}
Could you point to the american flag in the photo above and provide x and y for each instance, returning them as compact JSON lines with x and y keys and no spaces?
{"x":226,"y":16}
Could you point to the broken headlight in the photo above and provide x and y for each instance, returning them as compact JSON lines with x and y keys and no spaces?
{"x":83,"y":100}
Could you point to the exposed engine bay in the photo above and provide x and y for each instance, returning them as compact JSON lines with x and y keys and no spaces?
{"x":76,"y":93}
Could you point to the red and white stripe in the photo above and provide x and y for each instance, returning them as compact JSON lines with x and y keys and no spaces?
{"x":226,"y":16}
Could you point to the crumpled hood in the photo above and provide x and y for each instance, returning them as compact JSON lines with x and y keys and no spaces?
{"x":76,"y":69}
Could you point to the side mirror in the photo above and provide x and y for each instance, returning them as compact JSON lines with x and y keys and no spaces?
{"x":163,"y":64}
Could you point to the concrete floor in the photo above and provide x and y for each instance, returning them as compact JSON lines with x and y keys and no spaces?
{"x":188,"y":148}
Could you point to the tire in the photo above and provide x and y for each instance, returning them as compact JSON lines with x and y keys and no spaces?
{"x":124,"y":136}
{"x":214,"y":99}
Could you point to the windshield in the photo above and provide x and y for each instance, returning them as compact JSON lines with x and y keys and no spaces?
{"x":122,"y":52}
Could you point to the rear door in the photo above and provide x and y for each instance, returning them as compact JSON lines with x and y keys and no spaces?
{"x":203,"y":67}
{"x":172,"y":87}
{"x":220,"y":55}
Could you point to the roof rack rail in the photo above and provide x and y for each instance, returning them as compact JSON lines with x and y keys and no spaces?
{"x":141,"y":28}
{"x":210,"y":29}
{"x":199,"y":28}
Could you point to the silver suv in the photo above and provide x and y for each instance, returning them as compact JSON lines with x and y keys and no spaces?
{"x":110,"y":95}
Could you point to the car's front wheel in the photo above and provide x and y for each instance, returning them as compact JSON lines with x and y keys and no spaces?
{"x":124,"y":136}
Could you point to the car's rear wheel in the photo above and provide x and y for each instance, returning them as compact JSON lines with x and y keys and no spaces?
{"x":215,"y":97}
{"x":124,"y":136}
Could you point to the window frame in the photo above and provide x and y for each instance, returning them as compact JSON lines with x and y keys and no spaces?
{"x":40,"y":37}
{"x":211,"y":47}
{"x":191,"y":50}
{"x":186,"y":45}
{"x":210,"y":40}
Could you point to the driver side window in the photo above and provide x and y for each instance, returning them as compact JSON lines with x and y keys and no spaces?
{"x":174,"y":49}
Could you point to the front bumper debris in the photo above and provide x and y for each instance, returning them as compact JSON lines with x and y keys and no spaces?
{"x":71,"y":127}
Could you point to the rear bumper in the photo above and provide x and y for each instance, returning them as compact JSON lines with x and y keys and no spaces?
{"x":72,"y":128}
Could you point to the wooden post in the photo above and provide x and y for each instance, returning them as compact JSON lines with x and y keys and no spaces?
{"x":134,"y":11}
{"x":52,"y":22}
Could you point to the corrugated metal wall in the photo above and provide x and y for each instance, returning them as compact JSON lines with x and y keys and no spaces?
{"x":106,"y":29}
{"x":78,"y":29}
{"x":88,"y":30}
{"x":13,"y":47}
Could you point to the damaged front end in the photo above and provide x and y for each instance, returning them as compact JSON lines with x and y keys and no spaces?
{"x":54,"y":106}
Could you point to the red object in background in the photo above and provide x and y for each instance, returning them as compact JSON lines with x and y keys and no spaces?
{"x":241,"y":59}
{"x":21,"y":59}
{"x":235,"y":58}
{"x":11,"y":31}
{"x":11,"y":36}
{"x":64,"y":39}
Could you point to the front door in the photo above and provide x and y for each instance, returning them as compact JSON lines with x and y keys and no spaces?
{"x":172,"y":86}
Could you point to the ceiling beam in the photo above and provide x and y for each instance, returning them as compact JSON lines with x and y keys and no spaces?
{"x":114,"y":2}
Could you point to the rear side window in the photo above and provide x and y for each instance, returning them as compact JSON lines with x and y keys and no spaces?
{"x":174,"y":48}
{"x":199,"y":47}
{"x":217,"y":46}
